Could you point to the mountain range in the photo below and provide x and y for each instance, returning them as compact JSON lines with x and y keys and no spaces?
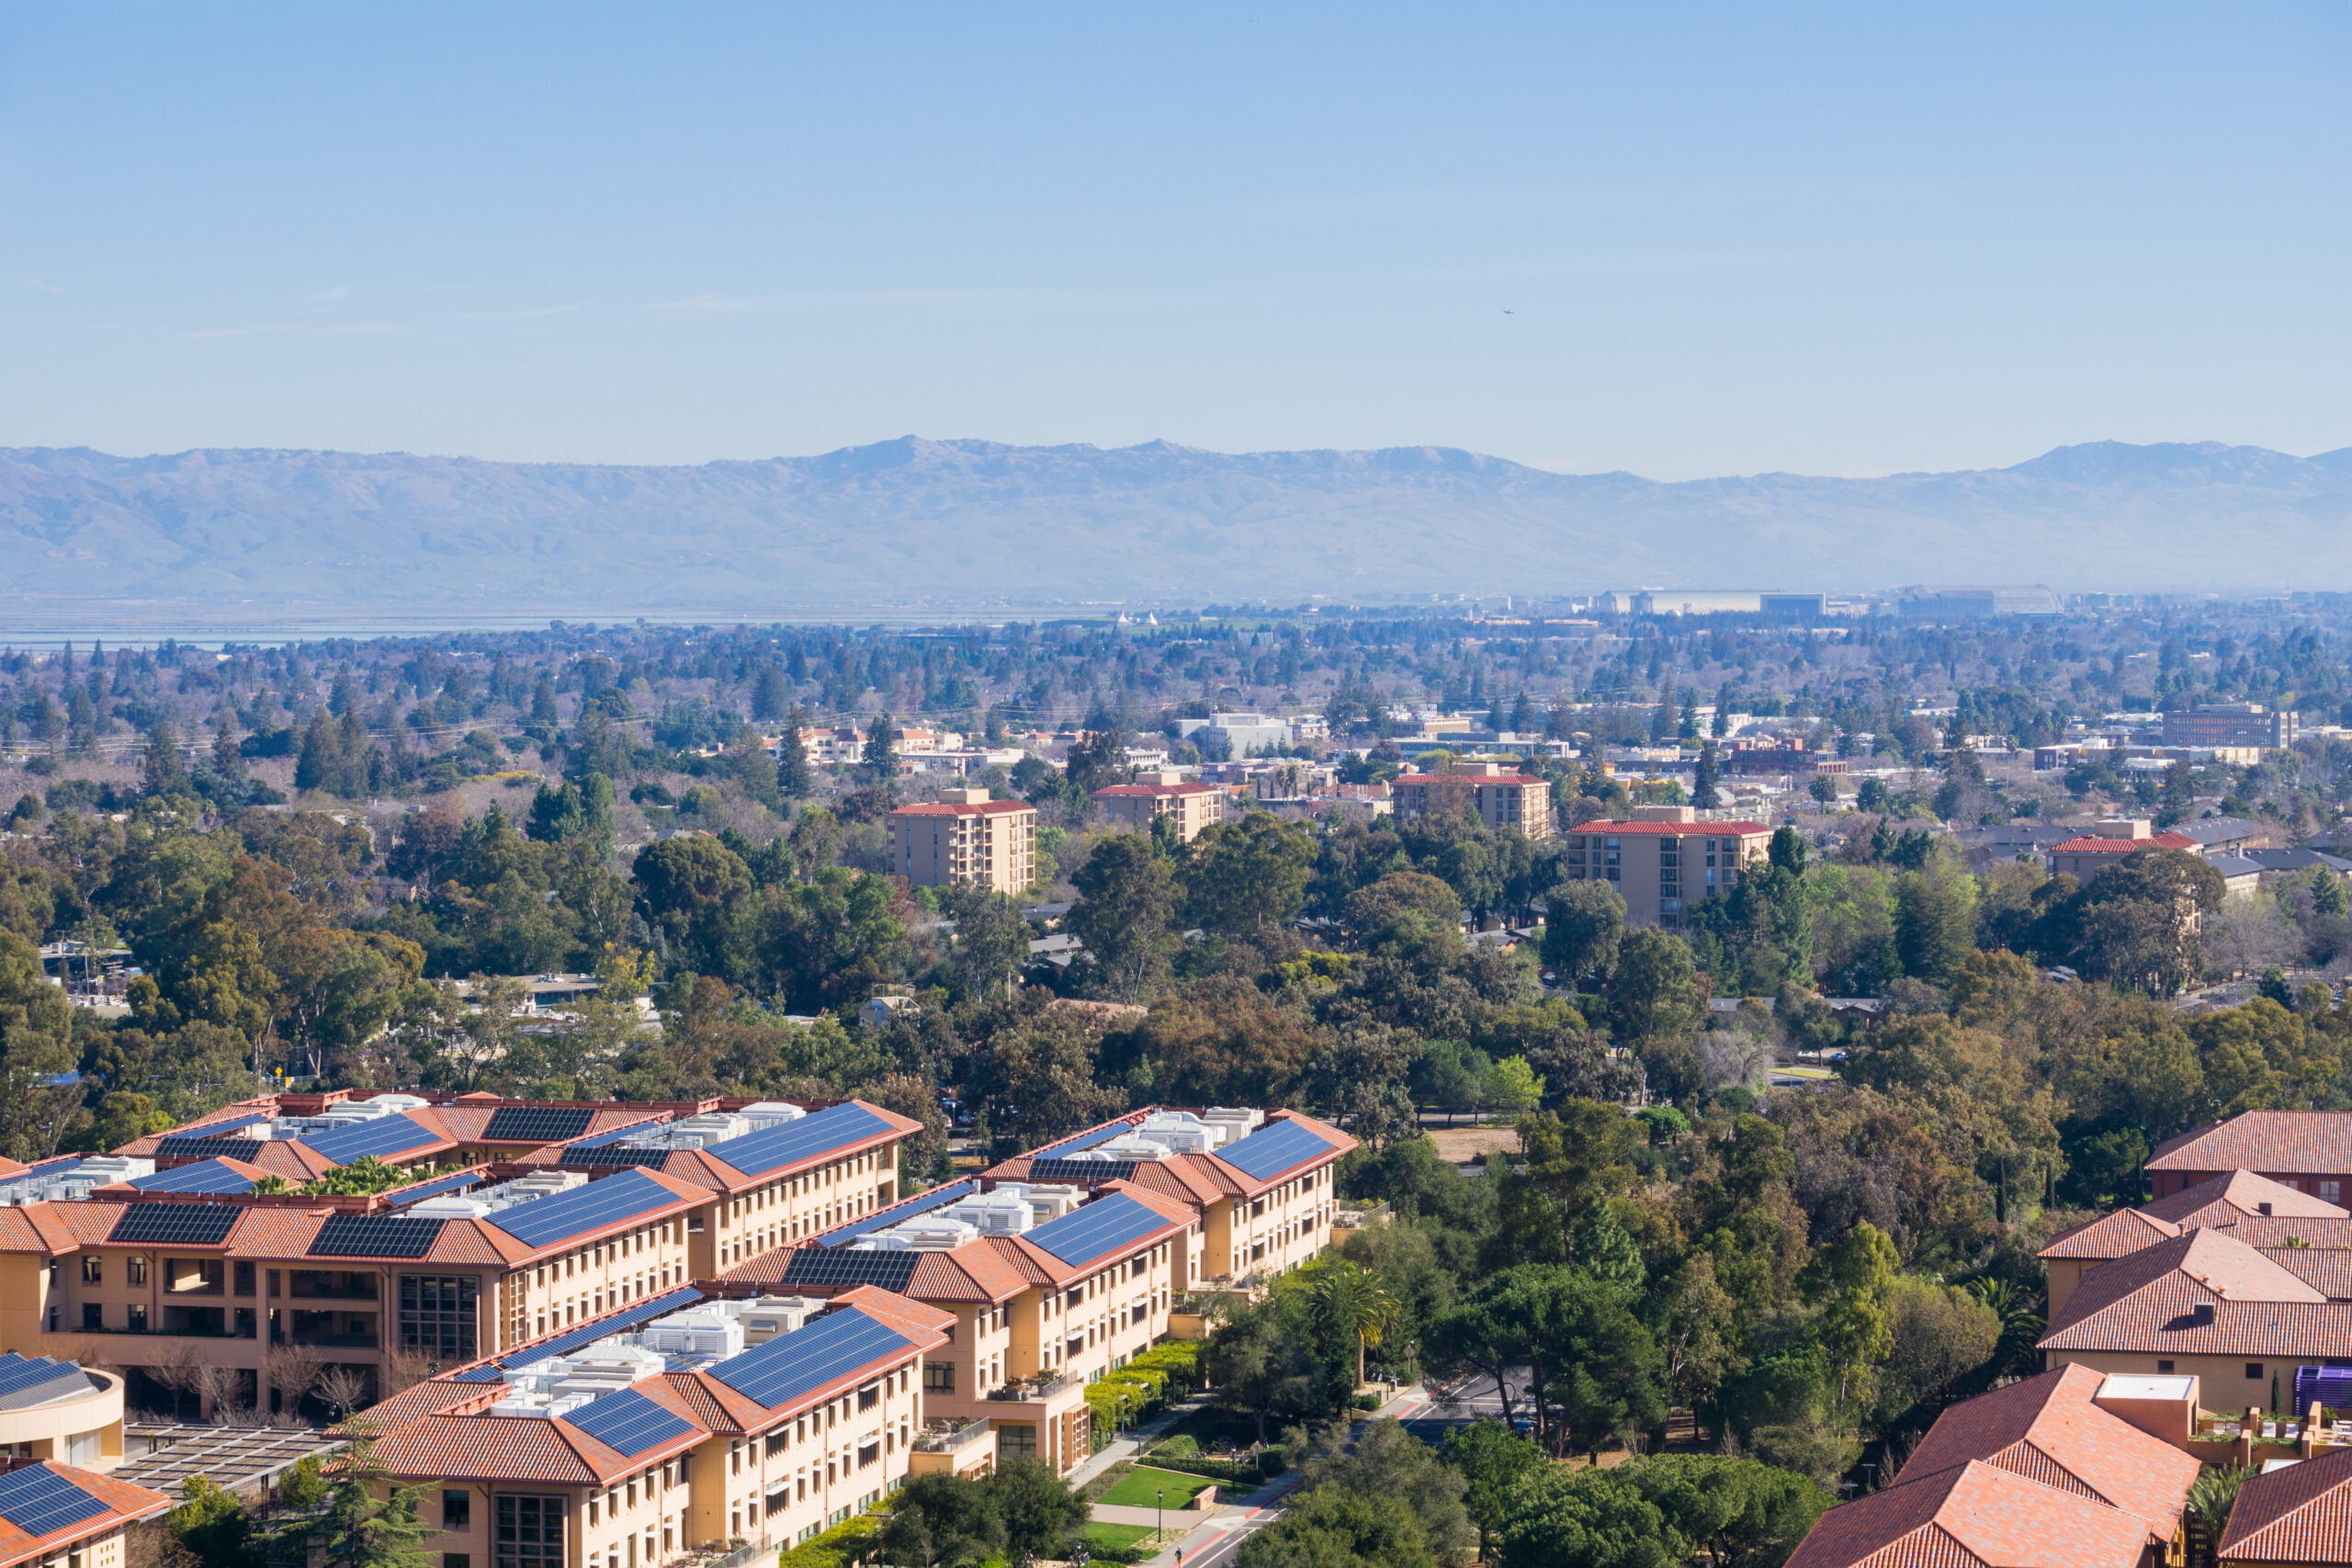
{"x":915,"y":525}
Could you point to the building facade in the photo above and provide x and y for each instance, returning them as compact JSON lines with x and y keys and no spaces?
{"x":2232,"y":724}
{"x":2307,"y":1151}
{"x":1494,"y":797}
{"x":967,"y":840}
{"x":2085,"y":856}
{"x":1193,"y":806}
{"x":1665,"y":861}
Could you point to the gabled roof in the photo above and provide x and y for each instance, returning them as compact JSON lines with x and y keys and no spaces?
{"x":1975,"y":1514}
{"x":2090,"y":845}
{"x":2118,"y":1234}
{"x":2147,"y":1303}
{"x":2301,"y":1513}
{"x":2048,"y":1428}
{"x":2237,"y":1194}
{"x":2295,"y":1143}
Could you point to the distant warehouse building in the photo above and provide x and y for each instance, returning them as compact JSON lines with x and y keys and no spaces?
{"x":1976,"y":603}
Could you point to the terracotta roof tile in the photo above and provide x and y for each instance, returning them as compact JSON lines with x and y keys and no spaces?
{"x":2048,"y":1428}
{"x":2242,"y":1192}
{"x":2118,"y":1234}
{"x":2301,"y":1513}
{"x":2146,"y":1303}
{"x":1976,"y":1514}
{"x":2091,"y":845}
{"x":2295,"y":1143}
{"x":123,"y":1501}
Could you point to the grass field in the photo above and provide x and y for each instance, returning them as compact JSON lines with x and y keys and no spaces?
{"x":1139,"y":1487}
{"x":1116,"y":1537}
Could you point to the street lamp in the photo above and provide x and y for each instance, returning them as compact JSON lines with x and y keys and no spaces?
{"x":1163,"y":1510}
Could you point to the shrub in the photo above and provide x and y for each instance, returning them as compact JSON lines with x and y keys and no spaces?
{"x":837,"y":1547}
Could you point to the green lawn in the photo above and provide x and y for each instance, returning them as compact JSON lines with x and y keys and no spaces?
{"x":1116,"y":1537}
{"x":1142,"y":1485}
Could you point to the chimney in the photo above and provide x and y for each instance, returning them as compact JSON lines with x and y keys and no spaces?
{"x":2124,"y":828}
{"x":970,"y":796}
{"x":1665,"y":814}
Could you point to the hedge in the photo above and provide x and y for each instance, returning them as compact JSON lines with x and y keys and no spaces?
{"x":837,"y":1546}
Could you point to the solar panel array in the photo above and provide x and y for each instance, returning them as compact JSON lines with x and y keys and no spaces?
{"x":614,"y":1156}
{"x":38,"y":1500}
{"x":938,"y":1197}
{"x":612,"y":1135}
{"x":847,"y":1266}
{"x":1083,"y":1170}
{"x":636,"y":1316}
{"x":1273,"y":1150}
{"x":836,"y":1126}
{"x":1080,"y":1237}
{"x":810,"y":1356}
{"x":193,"y":1146}
{"x":18,"y":1372}
{"x":401,"y":1198}
{"x":375,"y":1235}
{"x":1083,"y":1141}
{"x":175,"y":1224}
{"x":384,"y":1135}
{"x":536,"y":1124}
{"x":207,"y":1176}
{"x":628,"y":1422}
{"x":607,"y":1201}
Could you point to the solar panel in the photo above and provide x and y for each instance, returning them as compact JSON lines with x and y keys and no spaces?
{"x":401,"y":1197}
{"x":637,"y":1314}
{"x":536,"y":1124}
{"x":813,"y":1355}
{"x":756,"y":1154}
{"x":628,"y":1422}
{"x":613,"y":1135}
{"x":207,"y":1176}
{"x":175,"y":1224}
{"x":1078,"y":1238}
{"x":193,"y":1147}
{"x":1083,"y":1170}
{"x":38,"y":1500}
{"x":375,"y":1235}
{"x":924,"y":1203}
{"x":612,"y":1157}
{"x":608,"y":1202}
{"x":1083,"y":1141}
{"x":30,"y":1371}
{"x":384,"y":1135}
{"x":1273,"y":1150}
{"x":889,"y":1268}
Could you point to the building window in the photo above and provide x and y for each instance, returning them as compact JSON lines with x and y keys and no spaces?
{"x":530,"y":1533}
{"x":139,"y":1317}
{"x":939,"y":1377}
{"x":92,"y":1269}
{"x":2253,"y":1372}
{"x":456,"y":1560}
{"x":134,"y":1270}
{"x":1017,"y":1440}
{"x":2331,"y":1192}
{"x":438,"y":1316}
{"x":2164,"y":1365}
{"x":93,"y":1315}
{"x":457,"y":1509}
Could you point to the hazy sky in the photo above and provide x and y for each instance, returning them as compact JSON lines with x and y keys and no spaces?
{"x":1678,"y":239}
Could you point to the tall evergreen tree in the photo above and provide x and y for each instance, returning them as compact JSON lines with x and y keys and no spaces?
{"x":161,"y":772}
{"x":791,"y":757}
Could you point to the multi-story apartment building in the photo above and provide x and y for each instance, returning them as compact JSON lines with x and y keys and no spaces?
{"x":1260,"y":1183}
{"x":188,"y":1276}
{"x":2108,"y":842}
{"x":1048,"y":1292}
{"x":669,"y":1429}
{"x":1193,"y":805}
{"x":1490,"y":796}
{"x":1665,"y":861}
{"x":2231,"y":724}
{"x":966,"y":840}
{"x":2309,"y":1151}
{"x":59,"y":1516}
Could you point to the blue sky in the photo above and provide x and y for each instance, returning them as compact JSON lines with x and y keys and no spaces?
{"x":1678,"y":239}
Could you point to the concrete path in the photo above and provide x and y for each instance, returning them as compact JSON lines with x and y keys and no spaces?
{"x":1135,"y":1441}
{"x":1122,"y":1514}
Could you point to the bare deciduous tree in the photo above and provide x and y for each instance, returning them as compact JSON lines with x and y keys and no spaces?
{"x":344,"y":1388}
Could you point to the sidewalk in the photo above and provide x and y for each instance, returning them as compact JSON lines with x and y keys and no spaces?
{"x":1135,"y":1441}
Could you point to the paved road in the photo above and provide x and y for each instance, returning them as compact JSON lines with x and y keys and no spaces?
{"x":1429,"y":1412}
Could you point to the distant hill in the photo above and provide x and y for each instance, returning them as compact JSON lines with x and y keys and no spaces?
{"x":962,"y":524}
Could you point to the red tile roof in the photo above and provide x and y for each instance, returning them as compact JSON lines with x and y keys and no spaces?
{"x":124,"y":1502}
{"x":2234,"y":1194}
{"x":2093,"y":846}
{"x":962,"y":809}
{"x":2118,"y":1234}
{"x":2146,"y":1303}
{"x":1677,"y":829}
{"x":2294,"y":1142}
{"x":2048,"y":1428}
{"x":2301,"y":1513}
{"x":1973,"y":1516}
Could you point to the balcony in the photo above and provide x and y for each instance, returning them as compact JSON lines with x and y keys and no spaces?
{"x":318,"y":1339}
{"x":946,"y":1436}
{"x":1038,"y":1387}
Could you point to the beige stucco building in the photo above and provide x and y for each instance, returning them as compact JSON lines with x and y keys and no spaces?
{"x":1665,"y":863}
{"x":968,"y":840}
{"x":1193,"y":806}
{"x":1492,"y":795}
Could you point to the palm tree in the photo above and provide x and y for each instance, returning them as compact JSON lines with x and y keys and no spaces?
{"x":1356,"y":1301}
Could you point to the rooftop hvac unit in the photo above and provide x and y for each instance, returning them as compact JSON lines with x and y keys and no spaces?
{"x":539,"y":1406}
{"x":765,"y":1317}
{"x":1052,"y":1203}
{"x":699,"y":1132}
{"x":393,"y":1103}
{"x":992,"y":1213}
{"x":931,"y":1232}
{"x":449,"y":1206}
{"x":1237,"y":1124}
{"x":1129,"y":1146}
{"x":695,"y":1334}
{"x":770,"y":1114}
